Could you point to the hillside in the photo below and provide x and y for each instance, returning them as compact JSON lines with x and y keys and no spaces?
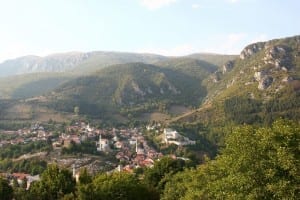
{"x":29,"y":85}
{"x":258,"y":87}
{"x":200,"y":69}
{"x":133,"y":88}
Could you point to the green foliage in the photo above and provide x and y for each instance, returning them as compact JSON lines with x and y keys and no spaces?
{"x":183,"y":184}
{"x":256,"y":163}
{"x":242,"y":110}
{"x":54,"y":184}
{"x":30,"y":166}
{"x":215,"y":59}
{"x":21,"y":193}
{"x":159,"y":174}
{"x":88,"y":147}
{"x":6,"y":191}
{"x":85,"y":177}
{"x":116,"y":186}
{"x":14,"y":151}
{"x":133,"y":87}
{"x":201,"y":134}
{"x":285,"y":104}
{"x":29,"y":85}
{"x":246,"y":110}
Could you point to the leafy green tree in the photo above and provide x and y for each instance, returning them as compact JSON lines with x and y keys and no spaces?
{"x":22,"y":194}
{"x":121,"y":186}
{"x":183,"y":183}
{"x":158,"y":175}
{"x":84,"y":186}
{"x":54,"y":183}
{"x":84,"y":177}
{"x":256,"y":163}
{"x":6,"y":191}
{"x":260,"y":163}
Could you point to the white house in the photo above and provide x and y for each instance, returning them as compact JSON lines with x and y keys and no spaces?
{"x":173,"y":137}
{"x":170,"y":134}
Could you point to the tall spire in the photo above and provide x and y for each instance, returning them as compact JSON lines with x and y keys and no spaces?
{"x":74,"y":170}
{"x":100,"y":144}
{"x":136,"y":145}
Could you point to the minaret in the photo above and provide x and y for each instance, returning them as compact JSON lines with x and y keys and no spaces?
{"x":136,"y":145}
{"x":74,"y":171}
{"x":100,"y":144}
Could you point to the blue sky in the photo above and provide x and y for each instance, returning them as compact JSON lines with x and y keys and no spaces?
{"x":168,"y":27}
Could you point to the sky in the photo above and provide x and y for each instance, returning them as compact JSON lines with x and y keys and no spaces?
{"x":167,"y":27}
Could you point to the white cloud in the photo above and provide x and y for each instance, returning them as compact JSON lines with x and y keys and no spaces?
{"x":156,"y":4}
{"x":196,"y":6}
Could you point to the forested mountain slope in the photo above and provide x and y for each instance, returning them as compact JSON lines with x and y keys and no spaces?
{"x":259,"y":86}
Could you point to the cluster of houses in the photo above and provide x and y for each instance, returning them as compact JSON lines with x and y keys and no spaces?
{"x":127,"y":145}
{"x":22,"y":136}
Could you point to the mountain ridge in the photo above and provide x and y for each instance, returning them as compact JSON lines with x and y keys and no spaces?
{"x":258,"y":86}
{"x":63,"y":62}
{"x":82,"y":62}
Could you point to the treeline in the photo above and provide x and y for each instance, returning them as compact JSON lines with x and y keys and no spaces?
{"x":57,"y":183}
{"x":240,"y":109}
{"x":256,"y":163}
{"x":14,"y":151}
{"x":29,"y":166}
{"x":5,"y":125}
{"x":85,"y":147}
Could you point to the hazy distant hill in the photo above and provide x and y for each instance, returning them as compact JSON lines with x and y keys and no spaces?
{"x":34,"y":64}
{"x":216,"y":59}
{"x":29,"y":85}
{"x":37,"y":75}
{"x":100,"y":59}
{"x":72,"y":61}
{"x":84,"y":63}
